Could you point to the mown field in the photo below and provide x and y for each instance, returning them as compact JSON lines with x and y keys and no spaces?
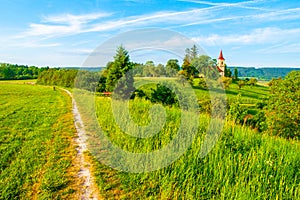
{"x":244,"y":164}
{"x":37,"y":152}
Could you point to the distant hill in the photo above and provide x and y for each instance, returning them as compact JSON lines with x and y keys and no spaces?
{"x":91,"y":69}
{"x":262,"y":73}
{"x":259,"y":73}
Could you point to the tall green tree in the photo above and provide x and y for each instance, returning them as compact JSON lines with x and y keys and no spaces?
{"x":227,"y":72}
{"x":188,"y":70}
{"x":172,"y":67}
{"x":118,"y":68}
{"x":283,"y":110}
{"x":206,"y":66}
{"x":194,"y":52}
{"x":119,"y":77}
{"x":236,"y":74}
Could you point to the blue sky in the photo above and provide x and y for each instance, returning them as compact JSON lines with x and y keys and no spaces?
{"x":258,"y":33}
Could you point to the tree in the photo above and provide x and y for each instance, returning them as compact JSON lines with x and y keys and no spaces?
{"x":226,"y":81}
{"x":172,"y":67}
{"x":283,"y":109}
{"x":161,"y":70}
{"x":236,"y":112}
{"x":103,"y":77}
{"x":241,"y":83}
{"x":236,"y":73}
{"x":187,"y":69}
{"x":118,"y":68}
{"x":163,"y":94}
{"x":194,"y":52}
{"x":252,"y":81}
{"x":191,"y":53}
{"x":206,"y":66}
{"x":227,"y":71}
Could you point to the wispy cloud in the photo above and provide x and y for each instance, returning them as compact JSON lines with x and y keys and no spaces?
{"x":61,"y":25}
{"x":285,"y":47}
{"x":67,"y":24}
{"x":278,"y":15}
{"x":74,"y":19}
{"x":242,"y":4}
{"x":256,"y":36}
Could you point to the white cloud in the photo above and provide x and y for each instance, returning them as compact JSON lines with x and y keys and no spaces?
{"x":74,"y":19}
{"x":242,"y":4}
{"x":278,"y":15}
{"x":61,"y":25}
{"x":68,"y":24}
{"x":284,"y":47}
{"x":256,"y":36}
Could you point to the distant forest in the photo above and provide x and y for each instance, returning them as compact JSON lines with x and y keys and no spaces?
{"x":21,"y":72}
{"x":263,"y":73}
{"x":243,"y":72}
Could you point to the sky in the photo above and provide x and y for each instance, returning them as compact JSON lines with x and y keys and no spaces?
{"x":56,"y":33}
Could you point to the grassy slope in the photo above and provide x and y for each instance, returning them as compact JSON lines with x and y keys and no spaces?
{"x":249,"y":94}
{"x":243,"y":165}
{"x":36,"y":143}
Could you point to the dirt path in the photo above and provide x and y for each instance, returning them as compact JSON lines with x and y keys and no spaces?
{"x":88,"y":191}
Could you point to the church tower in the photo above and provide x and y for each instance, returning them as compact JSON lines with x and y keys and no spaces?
{"x":221,"y":64}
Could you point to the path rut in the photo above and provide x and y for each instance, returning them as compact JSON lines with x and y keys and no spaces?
{"x":88,"y":191}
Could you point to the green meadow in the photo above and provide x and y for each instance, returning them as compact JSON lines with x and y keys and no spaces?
{"x":244,"y":163}
{"x":37,"y":151}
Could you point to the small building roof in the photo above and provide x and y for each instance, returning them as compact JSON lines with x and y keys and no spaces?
{"x":221,"y":56}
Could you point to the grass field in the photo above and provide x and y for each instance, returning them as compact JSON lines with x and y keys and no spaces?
{"x":244,"y":164}
{"x":249,"y":94}
{"x":37,"y":153}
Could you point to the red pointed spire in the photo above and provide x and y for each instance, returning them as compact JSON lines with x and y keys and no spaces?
{"x":221,"y":56}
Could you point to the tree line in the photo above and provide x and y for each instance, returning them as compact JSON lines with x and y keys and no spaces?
{"x":57,"y":76}
{"x":19,"y":72}
{"x":279,"y":114}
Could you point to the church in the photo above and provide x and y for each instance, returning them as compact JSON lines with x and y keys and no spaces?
{"x":221,"y":64}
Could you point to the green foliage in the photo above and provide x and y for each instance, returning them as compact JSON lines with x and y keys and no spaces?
{"x":188,"y":70}
{"x":225,"y":82}
{"x":191,"y":53}
{"x":227,"y":72}
{"x":59,"y":77}
{"x":252,"y":81}
{"x":241,"y":83}
{"x":236,"y":74}
{"x":124,"y":88}
{"x":172,"y":67}
{"x":103,"y":78}
{"x":119,"y":67}
{"x":84,"y":79}
{"x":19,"y":72}
{"x":206,"y":66}
{"x":117,"y":77}
{"x":163,"y":94}
{"x":202,"y":83}
{"x":283,"y":110}
{"x":236,"y":112}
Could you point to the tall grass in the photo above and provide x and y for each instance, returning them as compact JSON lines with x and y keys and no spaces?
{"x":243,"y":164}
